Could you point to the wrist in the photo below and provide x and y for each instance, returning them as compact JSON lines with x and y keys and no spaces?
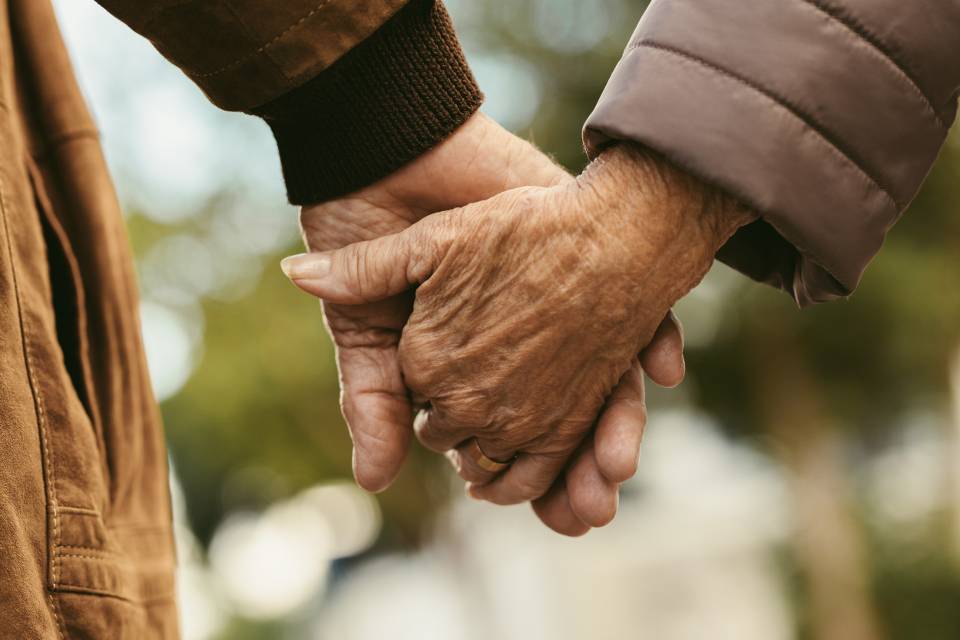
{"x":663,"y":197}
{"x":479,"y":160}
{"x":678,"y":221}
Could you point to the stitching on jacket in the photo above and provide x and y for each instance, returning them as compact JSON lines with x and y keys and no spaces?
{"x":87,"y":557}
{"x":48,"y":473}
{"x":162,"y":597}
{"x":264,"y":46}
{"x":56,"y":614}
{"x":73,"y":547}
{"x":252,"y":36}
{"x":811,"y":123}
{"x":79,"y":511}
{"x":859,"y":30}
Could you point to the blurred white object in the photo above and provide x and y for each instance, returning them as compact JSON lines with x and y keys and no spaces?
{"x":401,"y":598}
{"x":274,"y":563}
{"x":689,"y":557}
{"x":172,"y":343}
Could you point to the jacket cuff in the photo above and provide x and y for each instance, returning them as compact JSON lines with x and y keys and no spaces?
{"x":751,"y":99}
{"x":393,"y":97}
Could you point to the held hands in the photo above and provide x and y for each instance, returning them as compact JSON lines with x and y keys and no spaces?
{"x":511,"y":340}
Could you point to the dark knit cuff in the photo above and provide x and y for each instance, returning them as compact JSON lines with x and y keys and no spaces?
{"x":386,"y":102}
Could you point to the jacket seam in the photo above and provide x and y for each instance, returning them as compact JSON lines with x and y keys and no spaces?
{"x":861,"y":32}
{"x":49,"y":475}
{"x":73,"y":547}
{"x":52,"y":144}
{"x":811,"y":123}
{"x":56,"y":615}
{"x":263,"y":48}
{"x":243,"y":26}
{"x":161,"y":597}
{"x":79,"y":511}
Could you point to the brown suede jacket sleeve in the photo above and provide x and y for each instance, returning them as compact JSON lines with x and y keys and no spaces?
{"x":824,"y":115}
{"x":351,"y":90}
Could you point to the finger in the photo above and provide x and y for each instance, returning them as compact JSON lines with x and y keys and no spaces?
{"x":530,"y":476}
{"x":376,"y":269}
{"x":620,"y":428}
{"x":468,"y":467}
{"x":593,"y":498}
{"x":662,"y":359}
{"x":378,"y":414}
{"x":436,"y":433}
{"x":554,"y":510}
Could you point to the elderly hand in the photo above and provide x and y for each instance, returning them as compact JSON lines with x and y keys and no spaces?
{"x":375,"y":399}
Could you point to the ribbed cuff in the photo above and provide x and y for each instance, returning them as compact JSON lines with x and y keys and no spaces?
{"x":386,"y":102}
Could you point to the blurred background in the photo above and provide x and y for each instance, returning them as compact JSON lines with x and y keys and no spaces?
{"x":804,"y":482}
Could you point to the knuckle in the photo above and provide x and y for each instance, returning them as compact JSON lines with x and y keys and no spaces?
{"x":423,"y":252}
{"x":416,"y":363}
{"x":463,"y":413}
{"x":351,"y":261}
{"x":415,"y":370}
{"x":499,"y":447}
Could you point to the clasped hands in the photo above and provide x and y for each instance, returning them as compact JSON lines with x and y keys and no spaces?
{"x":482,"y":296}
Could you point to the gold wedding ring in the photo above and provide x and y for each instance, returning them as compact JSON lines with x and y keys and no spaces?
{"x":484,"y":461}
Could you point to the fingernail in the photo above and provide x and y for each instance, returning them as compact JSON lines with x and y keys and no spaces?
{"x":306,"y":266}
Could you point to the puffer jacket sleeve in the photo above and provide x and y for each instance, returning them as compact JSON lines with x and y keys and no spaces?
{"x":824,"y":115}
{"x":352,"y":90}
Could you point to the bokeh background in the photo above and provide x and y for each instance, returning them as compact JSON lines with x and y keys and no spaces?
{"x":804,"y":482}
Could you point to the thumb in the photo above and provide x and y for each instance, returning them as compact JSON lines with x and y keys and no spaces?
{"x":377,"y":269}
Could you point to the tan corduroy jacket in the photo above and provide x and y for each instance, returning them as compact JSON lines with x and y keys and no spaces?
{"x":825,"y":115}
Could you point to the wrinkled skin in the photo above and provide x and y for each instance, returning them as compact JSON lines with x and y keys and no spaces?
{"x":376,"y":400}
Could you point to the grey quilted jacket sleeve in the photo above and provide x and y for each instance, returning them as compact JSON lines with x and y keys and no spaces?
{"x":824,"y":115}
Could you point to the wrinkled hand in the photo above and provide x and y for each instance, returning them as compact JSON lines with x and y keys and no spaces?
{"x":376,"y":401}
